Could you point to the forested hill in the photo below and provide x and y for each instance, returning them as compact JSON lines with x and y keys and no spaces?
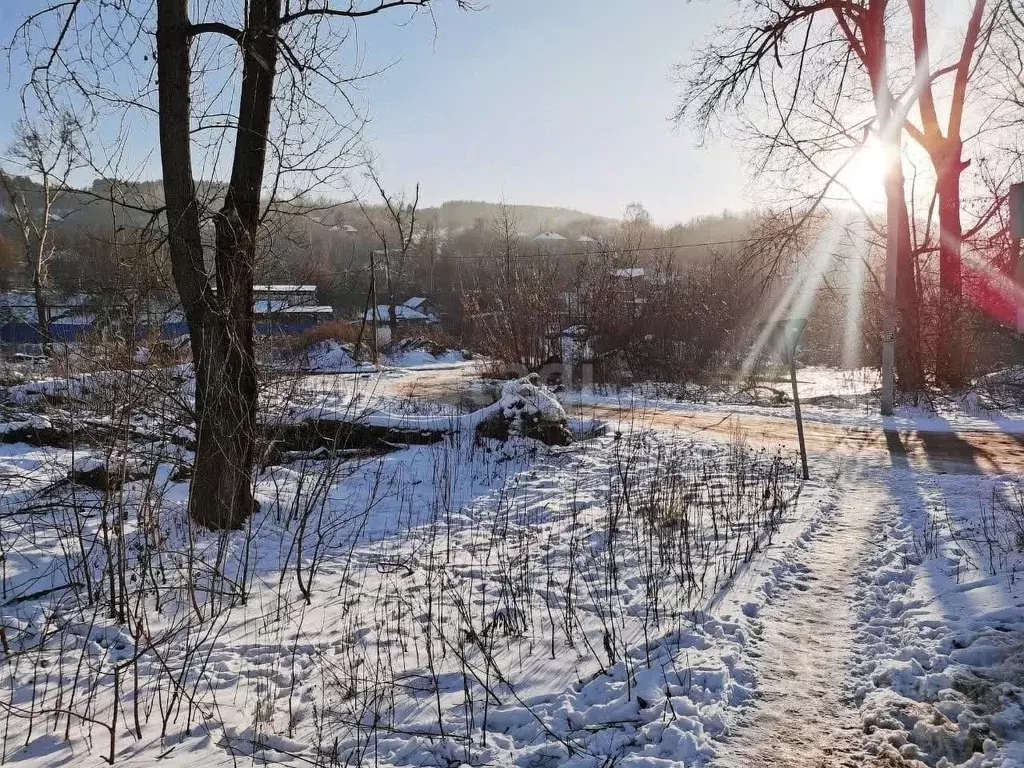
{"x":527,"y":218}
{"x":87,"y":209}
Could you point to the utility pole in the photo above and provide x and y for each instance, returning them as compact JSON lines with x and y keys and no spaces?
{"x":799,"y":416}
{"x":790,"y":332}
{"x":892,"y":250}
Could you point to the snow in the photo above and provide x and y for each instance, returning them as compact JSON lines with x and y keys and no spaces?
{"x":416,"y":358}
{"x":330,"y":356}
{"x":629,"y":272}
{"x":283,"y":288}
{"x":72,"y":387}
{"x":402,"y":312}
{"x":942,"y":622}
{"x":498,"y":591}
{"x":34,"y":421}
{"x":521,"y":403}
{"x":481,"y":603}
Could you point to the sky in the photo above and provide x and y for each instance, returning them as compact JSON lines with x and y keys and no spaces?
{"x":548,"y":102}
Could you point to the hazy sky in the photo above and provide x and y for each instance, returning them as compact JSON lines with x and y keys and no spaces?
{"x":557,"y":102}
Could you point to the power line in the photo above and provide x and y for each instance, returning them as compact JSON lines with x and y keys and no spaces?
{"x":614,"y":251}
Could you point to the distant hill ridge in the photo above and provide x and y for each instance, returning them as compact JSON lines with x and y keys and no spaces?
{"x":81,"y":208}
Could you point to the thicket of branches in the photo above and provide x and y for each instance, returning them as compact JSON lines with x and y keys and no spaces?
{"x":807,"y":85}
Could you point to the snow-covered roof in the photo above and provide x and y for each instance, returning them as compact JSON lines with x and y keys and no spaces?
{"x":281,"y":288}
{"x":629,"y":272}
{"x":317,"y":310}
{"x":274,"y":306}
{"x":585,"y":239}
{"x":416,"y":301}
{"x":549,"y":236}
{"x":402,"y":312}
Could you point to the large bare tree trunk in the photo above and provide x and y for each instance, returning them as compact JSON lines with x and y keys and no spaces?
{"x":946,"y":154}
{"x":909,"y":360}
{"x":875,"y":58}
{"x":220,"y":322}
{"x":950,"y":365}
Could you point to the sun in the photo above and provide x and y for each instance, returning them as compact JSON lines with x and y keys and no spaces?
{"x":863,"y":178}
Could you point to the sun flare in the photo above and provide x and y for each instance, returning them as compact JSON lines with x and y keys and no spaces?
{"x":863,"y":178}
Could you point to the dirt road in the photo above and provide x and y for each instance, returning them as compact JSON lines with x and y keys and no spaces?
{"x":959,"y":452}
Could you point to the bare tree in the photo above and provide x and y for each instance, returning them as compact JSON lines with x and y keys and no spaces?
{"x":271,"y":122}
{"x":818,"y":45}
{"x":797,"y":61}
{"x":945,"y":150}
{"x":396,"y":235}
{"x":49,"y":154}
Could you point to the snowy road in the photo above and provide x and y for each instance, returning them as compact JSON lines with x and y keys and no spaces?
{"x":960,"y":452}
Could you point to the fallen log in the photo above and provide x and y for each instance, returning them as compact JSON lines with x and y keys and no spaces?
{"x":524,"y":408}
{"x":105,"y":473}
{"x":336,"y":434}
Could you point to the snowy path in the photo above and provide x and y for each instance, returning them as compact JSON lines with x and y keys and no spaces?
{"x":803,"y":654}
{"x":886,"y":644}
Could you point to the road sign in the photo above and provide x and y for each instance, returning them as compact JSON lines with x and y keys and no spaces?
{"x":784,"y":335}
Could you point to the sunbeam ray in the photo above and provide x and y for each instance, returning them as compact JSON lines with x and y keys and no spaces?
{"x":798,"y":296}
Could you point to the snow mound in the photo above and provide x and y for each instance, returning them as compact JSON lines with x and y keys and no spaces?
{"x":408,"y":353}
{"x":330,"y":356}
{"x":525,"y":408}
{"x":528,"y":409}
{"x":1007,"y":377}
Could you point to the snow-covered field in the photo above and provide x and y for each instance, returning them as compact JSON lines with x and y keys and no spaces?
{"x":449,"y":602}
{"x":472,"y":602}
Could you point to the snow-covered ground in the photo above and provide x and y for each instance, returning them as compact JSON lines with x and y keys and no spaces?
{"x":626,"y":600}
{"x":331,"y":356}
{"x":482,"y":604}
{"x":939,"y":670}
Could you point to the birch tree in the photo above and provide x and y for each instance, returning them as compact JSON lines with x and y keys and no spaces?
{"x":47,"y":155}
